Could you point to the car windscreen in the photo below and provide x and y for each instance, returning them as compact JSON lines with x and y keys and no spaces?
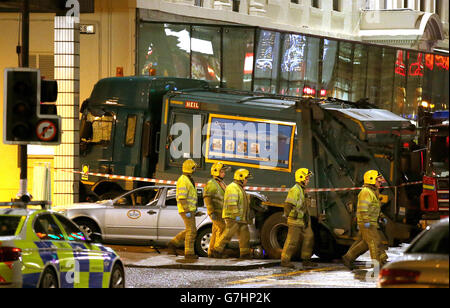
{"x":9,"y":224}
{"x":435,"y":240}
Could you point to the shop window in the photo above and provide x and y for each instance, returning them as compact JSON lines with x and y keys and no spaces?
{"x":267,"y":61}
{"x":206,"y":54}
{"x":329,"y":64}
{"x":164,"y":50}
{"x":359,"y":72}
{"x":238,"y":58}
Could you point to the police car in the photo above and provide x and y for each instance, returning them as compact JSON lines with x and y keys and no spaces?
{"x":43,"y":249}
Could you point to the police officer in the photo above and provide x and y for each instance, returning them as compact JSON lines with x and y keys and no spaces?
{"x":186,"y":196}
{"x":236,"y":212}
{"x":299,"y":222}
{"x":368,"y":213}
{"x":213,"y":199}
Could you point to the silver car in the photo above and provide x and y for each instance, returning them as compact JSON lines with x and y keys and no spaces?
{"x":424,"y":264}
{"x":146,"y":215}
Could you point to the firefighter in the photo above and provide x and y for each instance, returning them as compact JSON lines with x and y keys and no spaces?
{"x":236,"y":212}
{"x":213,"y":199}
{"x":186,"y":196}
{"x":299,"y":222}
{"x":368,"y":213}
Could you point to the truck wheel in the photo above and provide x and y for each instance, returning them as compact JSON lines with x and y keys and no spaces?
{"x":273,"y":235}
{"x":110,"y":195}
{"x":325,"y":246}
{"x":202,"y":242}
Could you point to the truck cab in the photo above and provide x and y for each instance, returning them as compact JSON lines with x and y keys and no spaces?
{"x":119,"y":130}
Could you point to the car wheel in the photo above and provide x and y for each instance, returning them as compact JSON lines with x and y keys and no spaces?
{"x":87,"y":226}
{"x":117,"y":277}
{"x":202,"y":242}
{"x":48,"y":280}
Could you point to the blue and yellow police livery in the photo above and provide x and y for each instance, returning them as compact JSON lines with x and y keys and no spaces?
{"x":43,"y":249}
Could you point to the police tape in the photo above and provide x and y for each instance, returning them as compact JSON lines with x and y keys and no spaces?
{"x":249,"y":188}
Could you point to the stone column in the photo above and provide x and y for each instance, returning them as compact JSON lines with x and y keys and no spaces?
{"x":257,"y":8}
{"x":226,"y":5}
{"x":67,"y":73}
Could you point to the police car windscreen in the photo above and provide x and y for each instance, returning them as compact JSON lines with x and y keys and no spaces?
{"x":8,"y":225}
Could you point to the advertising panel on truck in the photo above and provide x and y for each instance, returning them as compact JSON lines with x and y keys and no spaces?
{"x":250,"y":142}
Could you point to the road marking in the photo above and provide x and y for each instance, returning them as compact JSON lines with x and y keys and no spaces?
{"x":270,"y":277}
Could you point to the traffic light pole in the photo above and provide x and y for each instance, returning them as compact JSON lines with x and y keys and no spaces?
{"x":24,"y":57}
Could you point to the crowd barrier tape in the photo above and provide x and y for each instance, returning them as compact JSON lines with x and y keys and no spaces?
{"x":249,"y":188}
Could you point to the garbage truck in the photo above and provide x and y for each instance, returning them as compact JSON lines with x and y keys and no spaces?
{"x":132,"y":133}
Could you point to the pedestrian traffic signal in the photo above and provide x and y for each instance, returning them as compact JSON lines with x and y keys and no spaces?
{"x":24,"y":122}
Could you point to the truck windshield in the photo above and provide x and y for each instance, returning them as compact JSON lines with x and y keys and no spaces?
{"x":96,"y":129}
{"x":438,"y":156}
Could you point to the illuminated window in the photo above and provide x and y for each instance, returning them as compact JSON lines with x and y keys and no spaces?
{"x":131,"y":130}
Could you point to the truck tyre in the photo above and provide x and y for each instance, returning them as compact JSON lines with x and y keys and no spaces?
{"x":202,"y":241}
{"x":110,"y":195}
{"x":273,"y":235}
{"x":325,"y":246}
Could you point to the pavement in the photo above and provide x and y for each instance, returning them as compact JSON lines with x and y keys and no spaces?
{"x":149,"y":257}
{"x":142,"y":257}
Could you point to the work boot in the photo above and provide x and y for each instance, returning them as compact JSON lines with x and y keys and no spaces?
{"x":309,"y":263}
{"x":287,"y":264}
{"x":246,"y":257}
{"x":191,"y":257}
{"x":216,"y":255}
{"x":348,"y":264}
{"x":172,"y":249}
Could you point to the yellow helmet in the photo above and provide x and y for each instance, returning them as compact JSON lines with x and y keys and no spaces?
{"x":189,"y":166}
{"x":371,"y":176}
{"x":301,"y":174}
{"x":242,"y":174}
{"x":217,"y":167}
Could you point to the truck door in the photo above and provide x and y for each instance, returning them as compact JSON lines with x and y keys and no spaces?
{"x":126,"y":151}
{"x":184,"y":138}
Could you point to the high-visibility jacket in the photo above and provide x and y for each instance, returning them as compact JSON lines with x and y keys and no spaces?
{"x":215,"y":189}
{"x":186,"y":191}
{"x":369,"y":206}
{"x":236,"y":203}
{"x":296,"y":197}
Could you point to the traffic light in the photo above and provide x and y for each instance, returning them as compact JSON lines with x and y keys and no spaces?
{"x":24,"y":121}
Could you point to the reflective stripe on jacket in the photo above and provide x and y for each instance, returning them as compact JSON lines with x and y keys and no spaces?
{"x":186,"y":191}
{"x":369,"y":206}
{"x":236,"y":203}
{"x":296,"y":197}
{"x":216,"y":192}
